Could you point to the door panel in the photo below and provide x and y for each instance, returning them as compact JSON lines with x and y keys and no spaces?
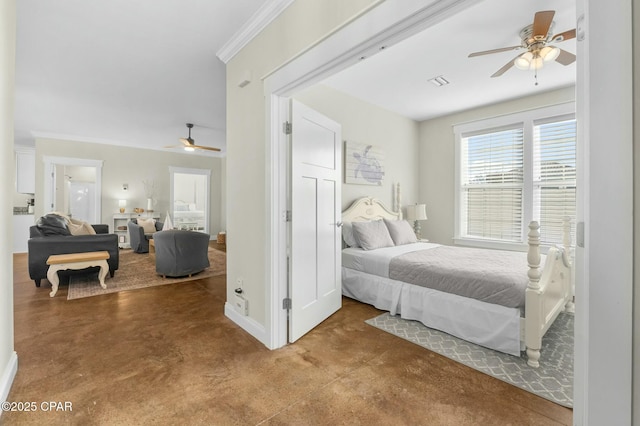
{"x":315,"y":282}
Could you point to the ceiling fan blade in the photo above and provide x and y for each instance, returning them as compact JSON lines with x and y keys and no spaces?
{"x":504,"y":69}
{"x":566,"y":58}
{"x":541,"y":23}
{"x":186,"y":142}
{"x":567,"y":35}
{"x":487,"y":52}
{"x":208,"y":148}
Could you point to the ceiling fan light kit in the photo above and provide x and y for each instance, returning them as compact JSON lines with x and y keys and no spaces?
{"x":535,"y":60}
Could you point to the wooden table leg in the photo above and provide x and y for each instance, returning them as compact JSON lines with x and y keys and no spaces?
{"x":104,"y":268}
{"x":52,"y":276}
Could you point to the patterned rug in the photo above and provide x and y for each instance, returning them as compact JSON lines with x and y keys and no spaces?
{"x":553,"y":380}
{"x":135,"y":271}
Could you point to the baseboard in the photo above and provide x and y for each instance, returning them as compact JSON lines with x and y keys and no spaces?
{"x":9,"y":373}
{"x":248,"y":324}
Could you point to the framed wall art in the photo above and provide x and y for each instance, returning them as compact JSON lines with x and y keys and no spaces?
{"x":363,"y":164}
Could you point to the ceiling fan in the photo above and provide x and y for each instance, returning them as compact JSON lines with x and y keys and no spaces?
{"x":189,"y":144}
{"x":537,"y":42}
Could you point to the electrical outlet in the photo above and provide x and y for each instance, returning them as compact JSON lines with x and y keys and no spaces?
{"x":241,"y":304}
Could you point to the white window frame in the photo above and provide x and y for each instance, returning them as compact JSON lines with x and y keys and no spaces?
{"x":526,"y":119}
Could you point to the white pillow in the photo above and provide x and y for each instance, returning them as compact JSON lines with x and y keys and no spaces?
{"x":149,"y":225}
{"x":347,"y":235}
{"x":372,"y":235}
{"x":79,"y":227}
{"x":401,"y":232}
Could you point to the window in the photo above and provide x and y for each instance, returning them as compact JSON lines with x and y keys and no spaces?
{"x":514,"y":169}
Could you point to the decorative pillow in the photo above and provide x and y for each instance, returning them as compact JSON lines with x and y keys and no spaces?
{"x":53,"y":224}
{"x":149,"y":225}
{"x":347,"y":235}
{"x":401,"y":232}
{"x":79,"y":227}
{"x":372,"y":235}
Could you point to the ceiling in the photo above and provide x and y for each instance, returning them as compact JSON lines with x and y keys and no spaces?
{"x":124,"y":72}
{"x":132,"y":73}
{"x":397,"y":77}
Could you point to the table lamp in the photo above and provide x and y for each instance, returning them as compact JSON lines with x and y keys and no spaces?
{"x":416,"y":213}
{"x":122,"y":204}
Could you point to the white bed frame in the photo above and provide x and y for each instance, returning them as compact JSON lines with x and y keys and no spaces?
{"x":548,"y":293}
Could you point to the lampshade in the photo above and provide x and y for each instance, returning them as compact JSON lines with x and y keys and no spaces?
{"x":549,"y":53}
{"x":122,"y":203}
{"x":523,"y":61}
{"x":416,"y":212}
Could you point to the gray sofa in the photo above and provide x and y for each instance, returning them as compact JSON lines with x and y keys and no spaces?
{"x":180,"y":253}
{"x":51,"y":236}
{"x":138,"y":239}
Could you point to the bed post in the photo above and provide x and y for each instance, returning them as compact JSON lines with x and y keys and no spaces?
{"x":532,"y":301}
{"x":566,"y":245}
{"x":396,"y":200}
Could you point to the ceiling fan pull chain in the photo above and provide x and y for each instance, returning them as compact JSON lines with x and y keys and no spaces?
{"x":536,"y":77}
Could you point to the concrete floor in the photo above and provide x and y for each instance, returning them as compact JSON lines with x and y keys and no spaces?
{"x":168,"y":355}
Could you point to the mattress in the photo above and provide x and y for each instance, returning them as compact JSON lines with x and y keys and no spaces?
{"x":490,"y":276}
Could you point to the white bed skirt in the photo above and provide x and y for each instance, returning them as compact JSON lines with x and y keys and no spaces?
{"x":492,"y":326}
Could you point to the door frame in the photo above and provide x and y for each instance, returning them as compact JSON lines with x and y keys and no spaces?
{"x":49,"y":166}
{"x":396,"y":20}
{"x":190,"y":171}
{"x":382,"y":24}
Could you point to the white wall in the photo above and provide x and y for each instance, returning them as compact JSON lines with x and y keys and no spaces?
{"x":131,"y":166}
{"x":362,"y":122}
{"x":298,"y":27}
{"x":8,"y":357}
{"x":437,"y":171}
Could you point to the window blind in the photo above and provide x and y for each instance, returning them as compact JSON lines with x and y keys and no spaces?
{"x":554,"y":177}
{"x":492,"y":184}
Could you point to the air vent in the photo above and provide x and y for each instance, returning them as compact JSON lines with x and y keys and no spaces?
{"x":439,"y":81}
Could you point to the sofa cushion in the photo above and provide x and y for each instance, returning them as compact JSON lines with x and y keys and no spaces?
{"x":52,"y":224}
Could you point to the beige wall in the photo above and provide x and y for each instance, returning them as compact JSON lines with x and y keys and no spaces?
{"x":8,"y":360}
{"x":366,"y":123}
{"x":298,"y":27}
{"x":131,"y":166}
{"x":437,"y":167}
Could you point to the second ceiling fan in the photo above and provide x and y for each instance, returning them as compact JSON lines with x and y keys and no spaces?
{"x":537,"y":42}
{"x":189,"y":144}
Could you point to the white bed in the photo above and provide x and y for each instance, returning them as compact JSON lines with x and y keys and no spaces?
{"x":186,"y":216}
{"x":365,"y":277}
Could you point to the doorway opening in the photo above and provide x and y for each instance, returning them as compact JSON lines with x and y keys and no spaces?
{"x":189,"y":197}
{"x":73,"y":186}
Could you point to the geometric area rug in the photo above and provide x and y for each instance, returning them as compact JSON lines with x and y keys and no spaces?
{"x":553,"y":380}
{"x":138,"y":270}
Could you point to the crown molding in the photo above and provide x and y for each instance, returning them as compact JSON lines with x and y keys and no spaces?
{"x":269,"y":11}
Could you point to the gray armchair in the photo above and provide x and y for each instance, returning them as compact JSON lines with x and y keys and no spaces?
{"x":138,"y":239}
{"x":180,"y":253}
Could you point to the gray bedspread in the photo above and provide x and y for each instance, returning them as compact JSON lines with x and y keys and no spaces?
{"x":492,"y":276}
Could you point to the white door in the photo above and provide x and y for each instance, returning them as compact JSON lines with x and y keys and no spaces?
{"x":315,"y":285}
